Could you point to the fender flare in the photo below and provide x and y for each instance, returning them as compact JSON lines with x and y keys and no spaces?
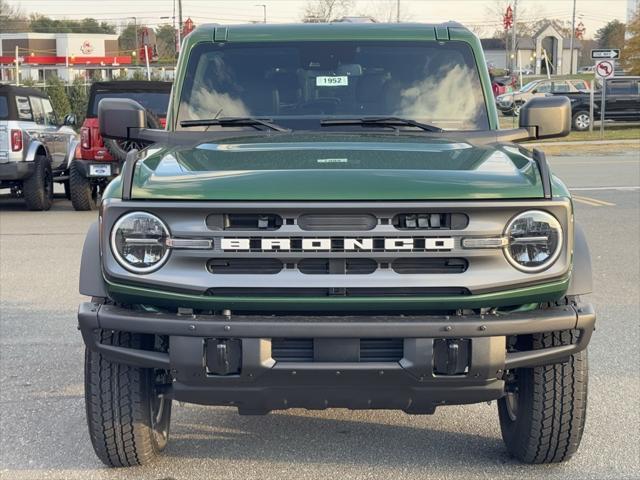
{"x":91,"y":281}
{"x":71,"y":153}
{"x":34,"y":146}
{"x":581,"y":275}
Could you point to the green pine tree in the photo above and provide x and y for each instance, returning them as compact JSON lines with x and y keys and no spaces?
{"x":58,"y":95}
{"x":78,"y":98}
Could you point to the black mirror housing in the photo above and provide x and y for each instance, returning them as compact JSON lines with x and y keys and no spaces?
{"x":547,"y":117}
{"x":69,"y":120}
{"x":121,"y":118}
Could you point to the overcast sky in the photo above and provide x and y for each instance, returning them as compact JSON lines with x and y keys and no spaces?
{"x":475,"y":13}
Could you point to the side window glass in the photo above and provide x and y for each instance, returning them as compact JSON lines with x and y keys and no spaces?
{"x":580,"y":85}
{"x":620,"y":88}
{"x":49,"y":114}
{"x":24,"y":109}
{"x":38,"y":111}
{"x":544,"y":87}
{"x":560,"y":87}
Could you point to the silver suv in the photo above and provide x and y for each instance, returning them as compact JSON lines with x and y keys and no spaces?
{"x":35,"y":149}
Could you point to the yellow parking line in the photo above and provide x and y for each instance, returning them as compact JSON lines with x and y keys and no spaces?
{"x":593,"y":201}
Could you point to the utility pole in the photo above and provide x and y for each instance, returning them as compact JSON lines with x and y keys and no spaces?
{"x":513,"y":32}
{"x":16,"y":59}
{"x":180,"y":18}
{"x":573,"y":34}
{"x":135,"y":34}
{"x":397,"y":11}
{"x":264,"y":12}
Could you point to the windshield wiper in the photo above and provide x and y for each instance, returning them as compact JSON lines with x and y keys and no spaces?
{"x":235,"y":122}
{"x":380,"y":121}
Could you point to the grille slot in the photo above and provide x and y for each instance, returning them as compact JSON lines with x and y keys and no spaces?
{"x":371,"y":350}
{"x":381,"y":349}
{"x":292,"y":349}
{"x":430,"y":221}
{"x":244,"y":221}
{"x":435,"y":265}
{"x":241,"y":266}
{"x":350,"y":266}
{"x":339,"y":292}
{"x":331,"y":221}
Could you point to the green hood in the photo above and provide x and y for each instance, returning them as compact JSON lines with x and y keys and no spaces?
{"x":336,"y":167}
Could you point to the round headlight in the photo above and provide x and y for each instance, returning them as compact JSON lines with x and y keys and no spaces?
{"x":534,"y":241}
{"x":139,"y":242}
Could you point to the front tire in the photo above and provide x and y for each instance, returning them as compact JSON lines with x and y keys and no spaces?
{"x":127,"y":415}
{"x":38,"y":188}
{"x":542,"y":417}
{"x":581,"y":121}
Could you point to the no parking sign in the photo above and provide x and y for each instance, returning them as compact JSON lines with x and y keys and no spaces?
{"x":605,"y":69}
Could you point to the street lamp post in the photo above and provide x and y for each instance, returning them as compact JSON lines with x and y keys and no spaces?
{"x":573,"y":34}
{"x":264,"y":12}
{"x":135,"y":34}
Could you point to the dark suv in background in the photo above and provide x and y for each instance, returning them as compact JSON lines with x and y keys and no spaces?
{"x":622,"y":102}
{"x":98,"y":160}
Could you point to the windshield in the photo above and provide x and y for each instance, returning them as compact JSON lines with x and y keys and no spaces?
{"x":529,"y":86}
{"x":301,"y":83}
{"x":156,"y":102}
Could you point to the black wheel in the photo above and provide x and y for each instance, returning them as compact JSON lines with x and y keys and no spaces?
{"x":119,"y":149}
{"x":581,"y":121}
{"x":543,"y":414}
{"x":67,"y":189}
{"x":38,"y":188}
{"x":127,"y":414}
{"x":83,"y":192}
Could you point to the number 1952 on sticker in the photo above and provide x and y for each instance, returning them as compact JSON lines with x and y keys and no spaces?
{"x":325,"y":81}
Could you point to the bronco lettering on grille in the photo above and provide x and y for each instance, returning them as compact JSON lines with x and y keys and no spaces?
{"x":337,"y":244}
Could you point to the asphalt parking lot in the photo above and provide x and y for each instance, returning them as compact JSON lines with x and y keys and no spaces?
{"x":42,"y":420}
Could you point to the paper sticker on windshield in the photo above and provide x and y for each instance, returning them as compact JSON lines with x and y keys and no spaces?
{"x":341,"y":81}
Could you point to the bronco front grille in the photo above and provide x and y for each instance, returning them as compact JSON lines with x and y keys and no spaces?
{"x":366,"y":350}
{"x":327,"y":250}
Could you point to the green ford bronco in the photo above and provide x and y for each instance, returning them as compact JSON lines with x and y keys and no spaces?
{"x":332,"y":219}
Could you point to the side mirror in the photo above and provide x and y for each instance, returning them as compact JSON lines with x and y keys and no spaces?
{"x":546,"y":117}
{"x":121,"y":118}
{"x":69,"y":120}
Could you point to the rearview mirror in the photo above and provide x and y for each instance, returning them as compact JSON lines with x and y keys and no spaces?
{"x":547,"y":117}
{"x":121,"y":118}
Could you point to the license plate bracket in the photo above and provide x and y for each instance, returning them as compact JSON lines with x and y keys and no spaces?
{"x":99,"y":170}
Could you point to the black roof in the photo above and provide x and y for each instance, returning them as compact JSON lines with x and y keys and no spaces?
{"x":12,"y":89}
{"x":124,"y":85}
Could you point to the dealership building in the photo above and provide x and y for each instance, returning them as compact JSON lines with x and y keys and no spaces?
{"x":67,"y":55}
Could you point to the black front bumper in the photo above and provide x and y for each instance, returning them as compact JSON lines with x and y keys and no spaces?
{"x":16,"y":170}
{"x":262,"y":384}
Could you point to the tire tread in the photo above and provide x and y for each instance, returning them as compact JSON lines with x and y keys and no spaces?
{"x":116,"y":402}
{"x":552,"y":430}
{"x":80,"y":190}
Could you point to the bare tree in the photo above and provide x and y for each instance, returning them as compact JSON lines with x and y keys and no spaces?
{"x":12,"y":19}
{"x":386,"y":11}
{"x":324,"y":11}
